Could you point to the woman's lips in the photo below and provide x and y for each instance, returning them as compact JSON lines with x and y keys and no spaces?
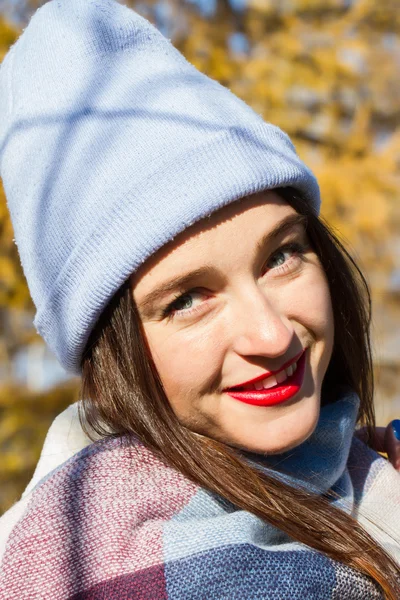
{"x":277,"y":394}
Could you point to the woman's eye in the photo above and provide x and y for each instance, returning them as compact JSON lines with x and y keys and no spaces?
{"x":278,"y":259}
{"x":185,"y":303}
{"x":284,"y":256}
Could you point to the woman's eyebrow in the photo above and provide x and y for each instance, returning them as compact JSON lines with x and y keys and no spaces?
{"x":186,"y":280}
{"x":281,"y":228}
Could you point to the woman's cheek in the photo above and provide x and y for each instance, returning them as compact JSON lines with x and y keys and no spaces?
{"x":319,"y":292}
{"x":311,"y":306}
{"x":188,"y":362}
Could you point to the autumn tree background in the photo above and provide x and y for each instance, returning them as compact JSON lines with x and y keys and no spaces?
{"x":325,"y":71}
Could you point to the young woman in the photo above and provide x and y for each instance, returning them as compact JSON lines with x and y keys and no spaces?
{"x":173,"y":248}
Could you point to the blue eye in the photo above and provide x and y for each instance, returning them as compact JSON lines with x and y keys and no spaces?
{"x":278,"y":259}
{"x":183,"y":302}
{"x":282,"y":255}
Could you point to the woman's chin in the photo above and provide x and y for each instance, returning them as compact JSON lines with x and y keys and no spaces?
{"x":275,"y":436}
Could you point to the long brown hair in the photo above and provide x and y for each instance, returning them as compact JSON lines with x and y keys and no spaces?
{"x":123,"y":395}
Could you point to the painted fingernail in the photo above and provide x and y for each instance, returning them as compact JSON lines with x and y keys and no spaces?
{"x":396,"y":429}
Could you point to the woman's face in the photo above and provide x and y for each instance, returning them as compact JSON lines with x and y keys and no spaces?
{"x":240,"y":297}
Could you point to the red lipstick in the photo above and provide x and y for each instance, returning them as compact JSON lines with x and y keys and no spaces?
{"x":277,"y":394}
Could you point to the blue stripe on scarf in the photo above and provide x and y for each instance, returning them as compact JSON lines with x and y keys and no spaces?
{"x":245,"y":572}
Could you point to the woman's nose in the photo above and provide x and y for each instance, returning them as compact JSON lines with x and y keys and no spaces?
{"x":259,"y":327}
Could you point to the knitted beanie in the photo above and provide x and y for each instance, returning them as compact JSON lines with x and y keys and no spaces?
{"x":111,"y":144}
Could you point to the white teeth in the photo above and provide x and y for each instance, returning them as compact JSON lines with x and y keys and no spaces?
{"x":273,"y":380}
{"x":269,"y":382}
{"x":281,"y":376}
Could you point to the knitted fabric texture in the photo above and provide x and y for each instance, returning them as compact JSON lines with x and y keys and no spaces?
{"x":111,"y":144}
{"x":114,"y":522}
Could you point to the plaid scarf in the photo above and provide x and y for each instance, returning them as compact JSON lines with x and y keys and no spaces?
{"x":114,"y":522}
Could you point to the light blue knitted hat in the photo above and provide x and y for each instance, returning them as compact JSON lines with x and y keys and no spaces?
{"x":111,"y":143}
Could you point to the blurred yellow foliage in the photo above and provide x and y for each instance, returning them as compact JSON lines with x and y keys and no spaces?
{"x":8,"y":35}
{"x":326,"y":71}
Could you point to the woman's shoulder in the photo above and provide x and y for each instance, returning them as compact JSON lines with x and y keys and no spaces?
{"x":373,"y":477}
{"x":75,"y":477}
{"x":109,"y":497}
{"x":376,"y":486}
{"x":116,"y":466}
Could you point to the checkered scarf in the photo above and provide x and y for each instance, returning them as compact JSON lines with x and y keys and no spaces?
{"x":115,"y":522}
